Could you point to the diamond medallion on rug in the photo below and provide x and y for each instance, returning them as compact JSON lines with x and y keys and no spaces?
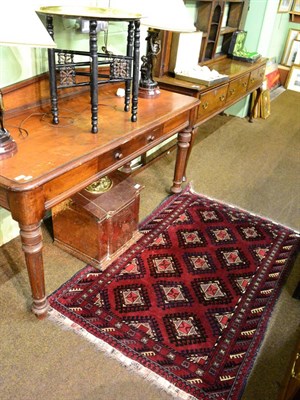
{"x":188,"y":303}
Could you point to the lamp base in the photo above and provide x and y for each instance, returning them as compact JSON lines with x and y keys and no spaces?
{"x":149,"y":93}
{"x":8,"y":147}
{"x":148,"y":87}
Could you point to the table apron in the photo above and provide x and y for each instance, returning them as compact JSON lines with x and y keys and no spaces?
{"x":75,"y":180}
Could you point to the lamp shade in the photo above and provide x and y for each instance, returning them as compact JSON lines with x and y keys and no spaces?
{"x":168,"y":15}
{"x":20,"y":25}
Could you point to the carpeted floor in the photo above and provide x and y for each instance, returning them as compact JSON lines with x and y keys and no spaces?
{"x":254,"y":166}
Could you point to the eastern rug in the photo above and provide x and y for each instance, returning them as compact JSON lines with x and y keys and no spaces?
{"x":187,"y":305}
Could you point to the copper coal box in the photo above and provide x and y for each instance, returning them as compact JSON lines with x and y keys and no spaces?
{"x":98,"y":222}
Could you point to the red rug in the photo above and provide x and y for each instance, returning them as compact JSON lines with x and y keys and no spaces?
{"x":187,"y":305}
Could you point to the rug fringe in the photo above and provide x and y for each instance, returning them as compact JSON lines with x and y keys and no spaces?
{"x":131,"y":365}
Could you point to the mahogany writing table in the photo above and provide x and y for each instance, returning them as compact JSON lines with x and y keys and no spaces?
{"x":55,"y":161}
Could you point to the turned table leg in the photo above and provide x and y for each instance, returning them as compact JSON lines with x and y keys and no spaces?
{"x":32,"y":244}
{"x":28,"y":208}
{"x":183,"y":144}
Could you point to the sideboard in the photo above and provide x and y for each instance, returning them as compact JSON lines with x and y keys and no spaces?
{"x":244,"y":79}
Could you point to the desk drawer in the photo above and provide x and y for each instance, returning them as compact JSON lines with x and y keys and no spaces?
{"x":131,"y":148}
{"x":212,"y":101}
{"x":144,"y":142}
{"x":237,"y":88}
{"x":256,"y":77}
{"x":66,"y":184}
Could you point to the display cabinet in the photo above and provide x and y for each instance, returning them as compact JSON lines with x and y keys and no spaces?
{"x":295,"y":12}
{"x":218,"y":19}
{"x":295,"y":17}
{"x":209,"y":20}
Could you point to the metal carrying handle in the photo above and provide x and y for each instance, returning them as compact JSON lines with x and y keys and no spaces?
{"x":293,"y":373}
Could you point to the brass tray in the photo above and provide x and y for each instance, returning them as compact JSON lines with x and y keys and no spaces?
{"x":103,"y":14}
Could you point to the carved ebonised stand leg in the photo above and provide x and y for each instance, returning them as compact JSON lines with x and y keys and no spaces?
{"x":52,"y":74}
{"x":133,"y":51}
{"x":94,"y":75}
{"x":129,"y":53}
{"x":135,"y":82}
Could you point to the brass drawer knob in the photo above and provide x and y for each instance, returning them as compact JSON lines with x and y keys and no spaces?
{"x":150,"y":138}
{"x":244,"y":84}
{"x":118,"y":155}
{"x":205,"y":105}
{"x":231,"y":91}
{"x":222,"y":98}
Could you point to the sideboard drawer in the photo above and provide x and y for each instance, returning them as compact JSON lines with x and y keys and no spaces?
{"x":212,"y":101}
{"x":256,"y":77}
{"x":237,"y":88}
